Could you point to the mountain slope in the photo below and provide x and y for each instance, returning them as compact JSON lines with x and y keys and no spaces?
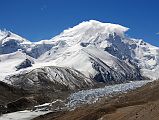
{"x":109,"y":38}
{"x":10,"y":62}
{"x":54,"y":78}
{"x":10,"y":42}
{"x":139,"y":104}
{"x":100,"y":51}
{"x":99,"y":65}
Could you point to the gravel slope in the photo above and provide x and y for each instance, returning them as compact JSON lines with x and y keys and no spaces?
{"x":140,"y":104}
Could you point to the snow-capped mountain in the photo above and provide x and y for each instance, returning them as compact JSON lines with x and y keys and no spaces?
{"x":103,"y":40}
{"x":10,"y":42}
{"x":6,"y":36}
{"x":100,"y":51}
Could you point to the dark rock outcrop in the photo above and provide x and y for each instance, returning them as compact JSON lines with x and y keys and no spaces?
{"x":26,"y":63}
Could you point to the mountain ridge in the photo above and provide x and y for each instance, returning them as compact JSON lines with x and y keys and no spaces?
{"x":100,"y":51}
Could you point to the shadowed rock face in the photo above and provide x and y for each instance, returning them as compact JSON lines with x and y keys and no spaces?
{"x":9,"y":47}
{"x":40,"y":86}
{"x":20,"y":104}
{"x":26,"y":63}
{"x":107,"y":74}
{"x":52,"y":78}
{"x":39,"y":49}
{"x":8,"y":94}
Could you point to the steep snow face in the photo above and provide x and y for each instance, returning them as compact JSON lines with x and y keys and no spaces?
{"x":35,"y":49}
{"x":7,"y":36}
{"x":10,"y":42}
{"x":104,"y":38}
{"x":83,"y":48}
{"x":142,"y":54}
{"x":147,"y":57}
{"x":9,"y":62}
{"x":97,"y":64}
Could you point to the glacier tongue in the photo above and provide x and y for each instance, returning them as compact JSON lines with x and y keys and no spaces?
{"x":93,"y":95}
{"x":75,"y":100}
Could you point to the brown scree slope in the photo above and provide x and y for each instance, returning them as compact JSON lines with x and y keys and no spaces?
{"x":140,"y":104}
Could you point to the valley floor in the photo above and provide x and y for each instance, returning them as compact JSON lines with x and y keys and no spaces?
{"x":84,"y":97}
{"x":148,"y":111}
{"x":140,"y":104}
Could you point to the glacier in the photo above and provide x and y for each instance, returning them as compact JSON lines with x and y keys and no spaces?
{"x":76,"y":99}
{"x":94,"y":95}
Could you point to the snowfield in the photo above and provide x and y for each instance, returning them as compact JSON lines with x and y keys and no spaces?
{"x":22,"y":115}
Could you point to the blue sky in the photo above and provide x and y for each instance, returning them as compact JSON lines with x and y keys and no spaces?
{"x":43,"y":19}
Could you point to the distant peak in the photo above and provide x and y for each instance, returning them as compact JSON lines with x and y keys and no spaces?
{"x":6,"y":35}
{"x":4,"y":32}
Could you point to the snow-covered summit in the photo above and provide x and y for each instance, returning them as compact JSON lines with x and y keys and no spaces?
{"x":94,"y":26}
{"x":89,"y":32}
{"x":99,"y":50}
{"x":105,"y":37}
{"x":5,"y":36}
{"x":10,"y":42}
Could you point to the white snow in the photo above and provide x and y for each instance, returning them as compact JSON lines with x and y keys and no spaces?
{"x":88,"y":32}
{"x":96,"y":36}
{"x":7,"y":35}
{"x":48,"y":106}
{"x":8,"y":62}
{"x":43,"y":105}
{"x":22,"y":115}
{"x":79,"y":48}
